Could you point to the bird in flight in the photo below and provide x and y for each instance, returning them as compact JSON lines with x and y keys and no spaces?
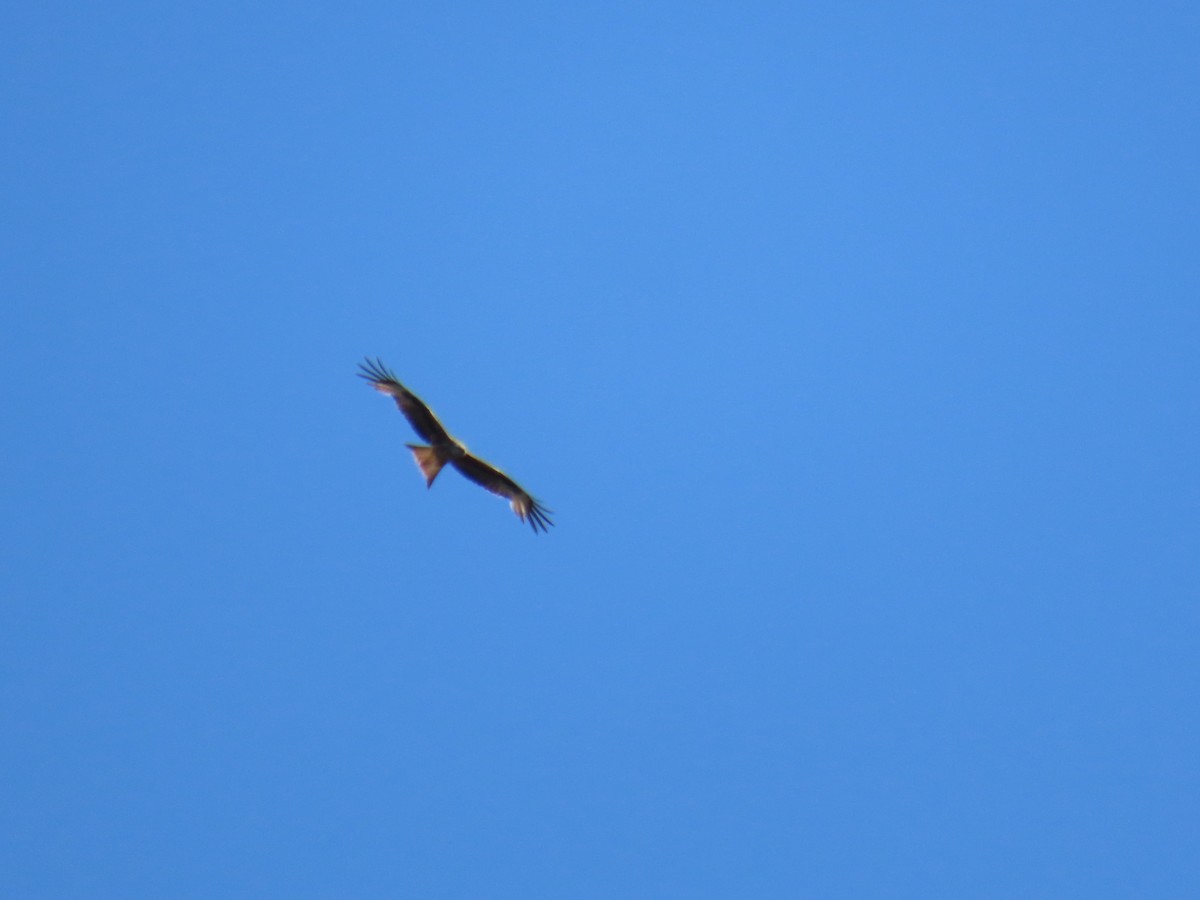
{"x":442,"y":448}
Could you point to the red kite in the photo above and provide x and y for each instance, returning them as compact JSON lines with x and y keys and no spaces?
{"x":444,"y":449}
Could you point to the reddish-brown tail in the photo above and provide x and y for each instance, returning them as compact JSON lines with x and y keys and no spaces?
{"x":428,"y":461}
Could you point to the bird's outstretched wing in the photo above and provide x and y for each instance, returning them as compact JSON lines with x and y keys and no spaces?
{"x":419,"y":416}
{"x":522,"y":502}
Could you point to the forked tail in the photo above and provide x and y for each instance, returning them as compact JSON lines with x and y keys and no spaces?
{"x":428,"y":461}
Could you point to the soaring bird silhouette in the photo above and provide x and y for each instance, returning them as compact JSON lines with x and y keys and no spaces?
{"x":442,"y":448}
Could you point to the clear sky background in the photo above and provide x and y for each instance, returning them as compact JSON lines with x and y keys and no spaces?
{"x":855,"y":347}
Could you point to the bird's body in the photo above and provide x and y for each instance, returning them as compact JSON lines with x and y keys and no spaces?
{"x":442,"y":449}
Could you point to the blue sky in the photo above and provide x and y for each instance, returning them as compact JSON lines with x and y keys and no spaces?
{"x":854,"y":347}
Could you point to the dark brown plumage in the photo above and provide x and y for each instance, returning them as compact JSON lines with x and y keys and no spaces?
{"x":442,"y":448}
